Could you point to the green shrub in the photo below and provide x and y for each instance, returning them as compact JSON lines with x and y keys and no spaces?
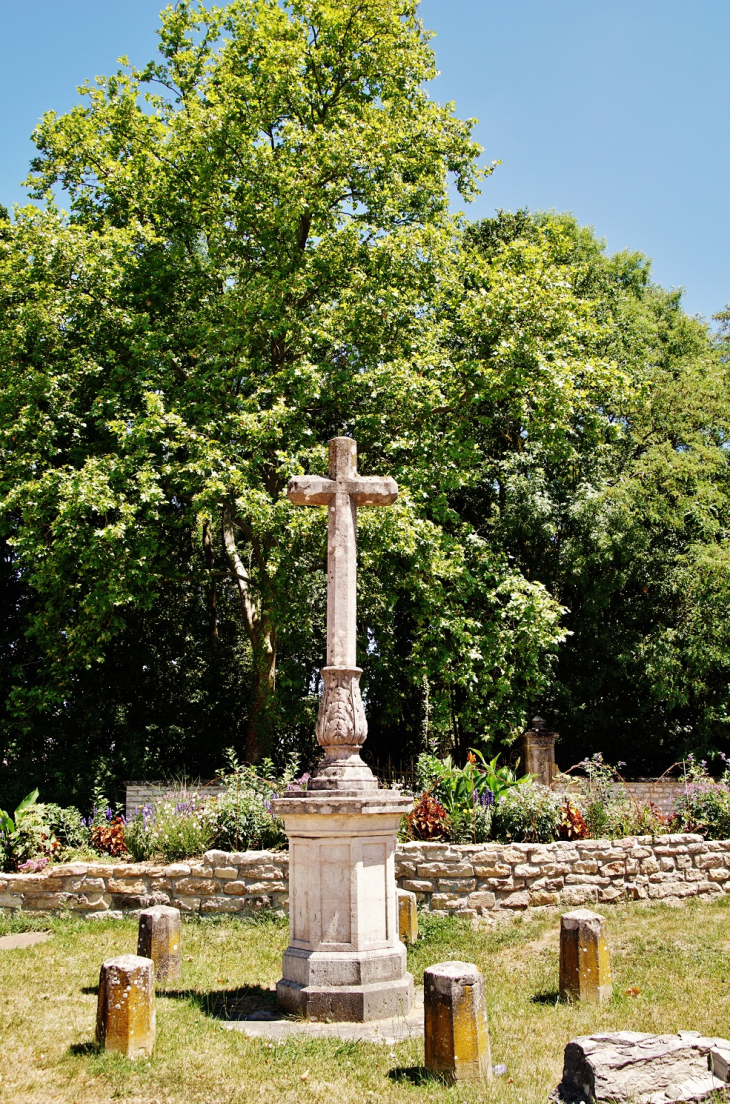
{"x":138,"y":837}
{"x":704,"y":804}
{"x":529,"y":814}
{"x":609,"y":810}
{"x":245,"y":822}
{"x":66,"y":824}
{"x":179,"y":826}
{"x":185,"y":824}
{"x":483,"y":817}
{"x":605,"y":807}
{"x":460,"y":789}
{"x":25,"y":838}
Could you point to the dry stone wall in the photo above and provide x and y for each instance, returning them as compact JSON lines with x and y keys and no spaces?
{"x":236,"y":882}
{"x":481,"y":878}
{"x":467,"y":880}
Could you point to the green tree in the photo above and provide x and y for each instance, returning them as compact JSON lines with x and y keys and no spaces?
{"x":605,"y":477}
{"x":257,"y":258}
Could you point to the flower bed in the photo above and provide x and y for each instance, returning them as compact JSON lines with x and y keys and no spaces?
{"x":477,"y":804}
{"x":469,"y":880}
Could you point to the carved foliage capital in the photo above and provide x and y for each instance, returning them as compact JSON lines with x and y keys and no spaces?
{"x":341,"y":720}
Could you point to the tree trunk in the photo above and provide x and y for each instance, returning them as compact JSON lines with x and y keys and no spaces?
{"x":260,"y":730}
{"x":261,"y":632}
{"x":209,"y":554}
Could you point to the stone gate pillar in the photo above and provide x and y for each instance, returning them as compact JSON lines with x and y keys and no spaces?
{"x":538,"y":752}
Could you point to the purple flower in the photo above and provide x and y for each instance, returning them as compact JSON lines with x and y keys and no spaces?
{"x":33,"y":865}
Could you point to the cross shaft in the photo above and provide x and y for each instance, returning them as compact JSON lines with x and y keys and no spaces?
{"x":342,"y":493}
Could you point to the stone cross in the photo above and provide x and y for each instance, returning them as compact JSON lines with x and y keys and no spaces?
{"x":341,"y":725}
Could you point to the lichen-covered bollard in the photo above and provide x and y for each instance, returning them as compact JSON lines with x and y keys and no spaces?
{"x":407,"y":916}
{"x":585,"y":973}
{"x":159,"y":939}
{"x":125,"y":1014}
{"x":456,"y":1034}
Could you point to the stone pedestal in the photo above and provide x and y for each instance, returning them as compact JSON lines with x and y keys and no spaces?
{"x":538,"y":752}
{"x":125,"y":1014}
{"x":345,"y":960}
{"x":456,"y":1035}
{"x":585,"y":973}
{"x":159,"y":939}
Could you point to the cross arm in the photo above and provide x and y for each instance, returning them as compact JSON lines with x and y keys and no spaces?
{"x":370,"y":490}
{"x":310,"y":490}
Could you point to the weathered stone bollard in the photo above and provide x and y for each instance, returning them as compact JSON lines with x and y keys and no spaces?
{"x":585,"y":973}
{"x":125,"y":1014}
{"x":456,"y":1033}
{"x":407,"y":916}
{"x":159,"y":939}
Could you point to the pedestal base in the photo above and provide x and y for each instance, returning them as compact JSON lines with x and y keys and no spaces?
{"x":348,"y":1003}
{"x":345,"y":961}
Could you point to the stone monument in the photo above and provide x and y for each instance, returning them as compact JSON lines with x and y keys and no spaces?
{"x":345,"y":960}
{"x":538,"y":752}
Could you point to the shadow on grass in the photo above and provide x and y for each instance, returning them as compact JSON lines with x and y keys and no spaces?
{"x":415,"y":1075}
{"x":83,"y":1048}
{"x":228,"y":1004}
{"x":90,"y":990}
{"x":550,"y":996}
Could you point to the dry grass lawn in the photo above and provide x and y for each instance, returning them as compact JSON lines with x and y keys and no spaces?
{"x":677,"y":958}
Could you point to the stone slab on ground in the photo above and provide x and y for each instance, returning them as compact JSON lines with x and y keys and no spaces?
{"x":278,"y":1027}
{"x":23,"y":939}
{"x":640,"y":1068}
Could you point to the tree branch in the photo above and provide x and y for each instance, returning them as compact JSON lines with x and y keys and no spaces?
{"x":239,"y":572}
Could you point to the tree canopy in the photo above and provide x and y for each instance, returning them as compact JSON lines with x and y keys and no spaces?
{"x":259,"y":255}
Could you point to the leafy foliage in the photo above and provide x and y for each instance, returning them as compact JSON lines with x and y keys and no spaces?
{"x":109,"y":839}
{"x":25,"y":836}
{"x":245,"y":823}
{"x":66,"y":824}
{"x":609,"y":485}
{"x":704,"y":805}
{"x":428,"y":820}
{"x":462,"y":787}
{"x":530,"y":814}
{"x":231,"y":289}
{"x":180,"y":825}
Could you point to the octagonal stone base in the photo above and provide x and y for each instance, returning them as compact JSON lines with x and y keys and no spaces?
{"x":345,"y":960}
{"x":347,"y":1003}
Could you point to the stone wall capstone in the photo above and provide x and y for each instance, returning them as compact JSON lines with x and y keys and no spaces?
{"x":468,"y":880}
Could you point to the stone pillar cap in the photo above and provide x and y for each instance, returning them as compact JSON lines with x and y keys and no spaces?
{"x":540,"y":725}
{"x":128,"y":962}
{"x":160,"y":910}
{"x":581,"y":914}
{"x":465,"y":972}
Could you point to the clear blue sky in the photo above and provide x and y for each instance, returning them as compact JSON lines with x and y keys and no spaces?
{"x":617,"y":111}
